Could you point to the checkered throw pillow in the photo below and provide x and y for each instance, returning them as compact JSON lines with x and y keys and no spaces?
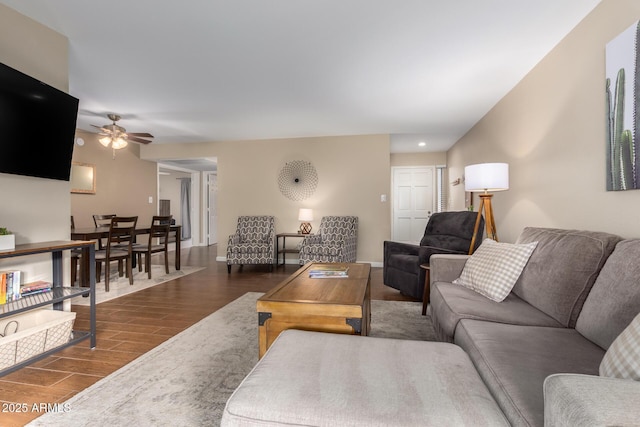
{"x":494,"y":268}
{"x":622,"y":360}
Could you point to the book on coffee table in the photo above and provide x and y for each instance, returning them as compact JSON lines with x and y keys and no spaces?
{"x":324,"y":271}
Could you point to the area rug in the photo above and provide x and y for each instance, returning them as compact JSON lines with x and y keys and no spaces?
{"x":119,"y":286}
{"x":187,"y":380}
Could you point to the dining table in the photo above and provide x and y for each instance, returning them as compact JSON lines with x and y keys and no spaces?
{"x":96,"y":233}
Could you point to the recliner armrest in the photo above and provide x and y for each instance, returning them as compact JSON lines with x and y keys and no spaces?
{"x":446,"y":268}
{"x":391,"y":247}
{"x":588,"y":400}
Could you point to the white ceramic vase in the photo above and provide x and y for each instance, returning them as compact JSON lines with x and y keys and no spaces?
{"x":7,"y":242}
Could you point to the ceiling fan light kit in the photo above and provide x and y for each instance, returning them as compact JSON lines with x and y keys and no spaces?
{"x":117,"y":136}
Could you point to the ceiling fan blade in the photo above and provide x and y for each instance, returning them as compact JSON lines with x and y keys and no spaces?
{"x":102,"y":129}
{"x":142,"y":134}
{"x":136,"y":139}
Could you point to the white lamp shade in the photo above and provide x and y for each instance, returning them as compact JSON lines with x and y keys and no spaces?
{"x":305,"y":215}
{"x":486,"y":177}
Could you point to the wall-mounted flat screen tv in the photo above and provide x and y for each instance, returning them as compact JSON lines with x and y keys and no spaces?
{"x":37,"y":127}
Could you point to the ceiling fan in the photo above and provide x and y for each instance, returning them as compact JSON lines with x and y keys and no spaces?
{"x":118,"y":136}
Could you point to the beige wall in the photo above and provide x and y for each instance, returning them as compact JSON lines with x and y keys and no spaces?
{"x":353,"y":171}
{"x":419,"y":159}
{"x":35,"y":209}
{"x":551,"y":130}
{"x":123,"y":184}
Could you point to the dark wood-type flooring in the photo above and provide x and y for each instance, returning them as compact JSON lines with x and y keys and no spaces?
{"x":130,"y":326}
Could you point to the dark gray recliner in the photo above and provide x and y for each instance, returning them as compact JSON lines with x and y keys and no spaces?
{"x":446,"y":233}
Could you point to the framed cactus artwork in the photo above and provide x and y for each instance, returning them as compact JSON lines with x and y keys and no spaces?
{"x":623,"y":110}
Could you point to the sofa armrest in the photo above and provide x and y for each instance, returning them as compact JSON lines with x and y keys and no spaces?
{"x":446,"y":268}
{"x":234,"y":239}
{"x":425,"y":253}
{"x":587,"y":400}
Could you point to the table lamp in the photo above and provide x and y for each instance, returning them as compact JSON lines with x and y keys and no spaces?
{"x":305,"y":215}
{"x":486,"y":177}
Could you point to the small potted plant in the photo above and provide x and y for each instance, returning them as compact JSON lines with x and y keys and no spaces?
{"x":7,"y":240}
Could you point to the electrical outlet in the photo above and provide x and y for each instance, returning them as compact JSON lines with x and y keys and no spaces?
{"x":150,"y":199}
{"x":383,"y":198}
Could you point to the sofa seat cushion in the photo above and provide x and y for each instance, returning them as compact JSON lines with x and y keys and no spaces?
{"x":250,"y":248}
{"x":450,"y":303}
{"x":320,"y":379}
{"x":514,"y":361}
{"x":330,"y":249}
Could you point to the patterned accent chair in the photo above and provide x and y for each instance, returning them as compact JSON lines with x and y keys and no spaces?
{"x":253,"y":243}
{"x":336,"y":241}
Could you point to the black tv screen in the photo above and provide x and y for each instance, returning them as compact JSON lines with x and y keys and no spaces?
{"x":37,"y":127}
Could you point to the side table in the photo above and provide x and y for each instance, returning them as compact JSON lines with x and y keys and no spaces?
{"x":284,"y":249}
{"x":427,"y":288}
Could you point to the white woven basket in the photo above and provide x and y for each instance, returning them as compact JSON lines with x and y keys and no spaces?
{"x":38,"y":331}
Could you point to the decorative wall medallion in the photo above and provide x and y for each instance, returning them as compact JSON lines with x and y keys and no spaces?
{"x":298,"y":180}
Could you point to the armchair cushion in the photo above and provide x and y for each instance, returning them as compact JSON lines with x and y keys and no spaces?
{"x":336,"y":241}
{"x":451,"y":230}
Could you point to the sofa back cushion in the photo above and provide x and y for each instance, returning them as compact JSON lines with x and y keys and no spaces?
{"x":562,"y":269}
{"x":614,"y":299}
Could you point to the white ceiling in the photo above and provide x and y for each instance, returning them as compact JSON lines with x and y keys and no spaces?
{"x":213,"y":70}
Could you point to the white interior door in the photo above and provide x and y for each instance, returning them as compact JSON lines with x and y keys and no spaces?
{"x":413,"y":201}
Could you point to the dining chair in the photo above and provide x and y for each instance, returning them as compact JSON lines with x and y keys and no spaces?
{"x":118,"y":247}
{"x":102,"y":221}
{"x":75,"y":257}
{"x":160,"y":227}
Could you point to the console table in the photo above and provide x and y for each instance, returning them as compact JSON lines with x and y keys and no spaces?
{"x":58,"y":294}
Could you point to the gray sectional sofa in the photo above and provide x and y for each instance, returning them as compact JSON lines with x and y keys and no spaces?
{"x":577,"y":293}
{"x":530,"y":360}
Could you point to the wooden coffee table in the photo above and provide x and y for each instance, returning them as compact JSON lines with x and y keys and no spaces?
{"x":339,"y":305}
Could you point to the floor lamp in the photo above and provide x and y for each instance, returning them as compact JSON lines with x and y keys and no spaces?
{"x":486,"y":177}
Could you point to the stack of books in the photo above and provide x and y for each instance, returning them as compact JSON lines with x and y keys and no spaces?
{"x":33,"y":288}
{"x":328,"y":271}
{"x":9,"y":286}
